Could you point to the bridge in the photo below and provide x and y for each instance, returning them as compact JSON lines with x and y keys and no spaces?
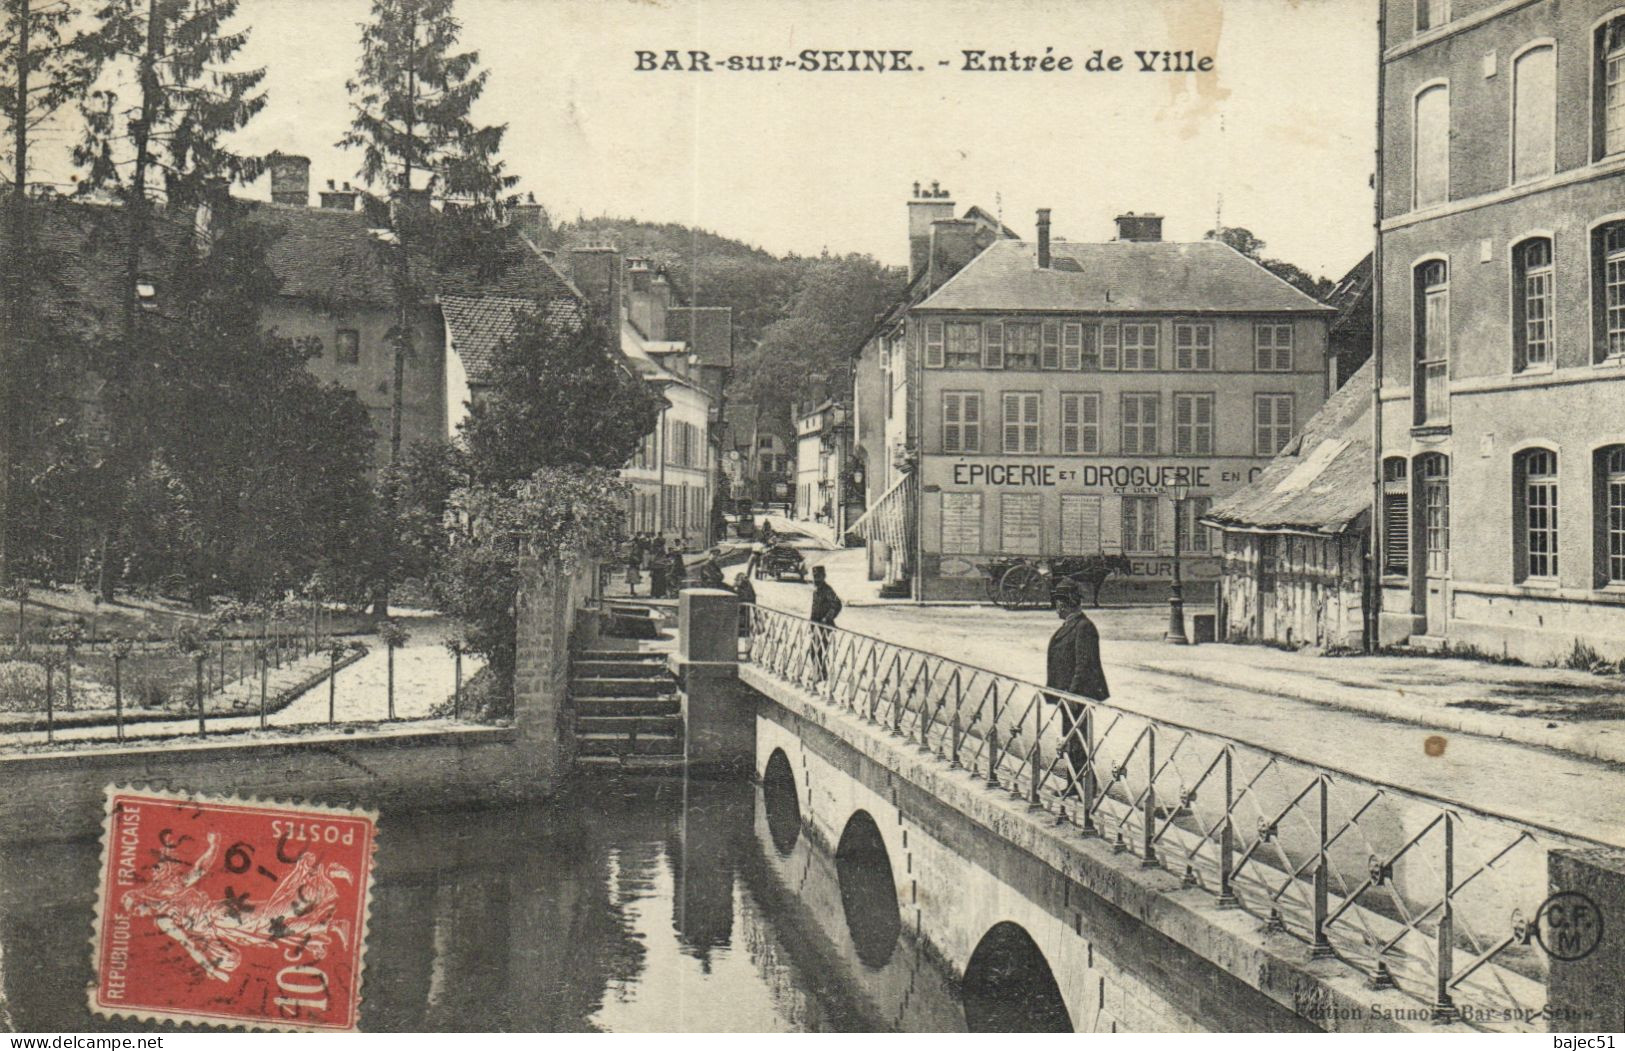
{"x":1136,"y":872}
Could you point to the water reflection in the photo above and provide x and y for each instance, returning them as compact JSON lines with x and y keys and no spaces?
{"x":634,"y":906}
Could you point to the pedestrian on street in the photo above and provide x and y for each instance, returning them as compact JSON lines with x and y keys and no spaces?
{"x":633,"y":576}
{"x":658,"y":568}
{"x":826,"y":606}
{"x":711,"y":574}
{"x":1074,"y":666}
{"x":676,"y":569}
{"x":747,"y":598}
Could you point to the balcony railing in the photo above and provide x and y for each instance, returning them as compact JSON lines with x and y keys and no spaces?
{"x":1420,"y":893}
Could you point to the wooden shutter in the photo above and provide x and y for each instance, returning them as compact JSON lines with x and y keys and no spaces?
{"x":1203,"y":424}
{"x":1012,"y":423}
{"x":1080,"y":524}
{"x":952,"y":436}
{"x":1050,"y":354}
{"x":993,"y":345}
{"x":961,"y":523}
{"x":971,"y":417}
{"x":1072,"y":346}
{"x":1184,"y":421}
{"x":1070,"y":413}
{"x":1131,"y":424}
{"x":1109,"y":346}
{"x":1263,"y":424}
{"x":933,"y":344}
{"x":1031,"y":421}
{"x":1089,"y":423}
{"x":1184,"y":346}
{"x":1396,"y":533}
{"x":1203,"y":337}
{"x":1283,"y":348}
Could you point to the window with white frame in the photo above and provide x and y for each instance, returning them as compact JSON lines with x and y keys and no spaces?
{"x":1021,"y":422}
{"x":964,"y":345}
{"x":1431,"y":147}
{"x":1536,"y":505}
{"x":1139,"y":346}
{"x":1140,"y":524}
{"x":1534,"y":113}
{"x":1021,"y":341}
{"x":1080,"y":524}
{"x":1610,"y":484}
{"x":1091,"y":349}
{"x":1194,"y":537}
{"x":961,"y":421}
{"x":1433,"y":482}
{"x":961,"y":523}
{"x":1193,"y":424}
{"x":1532,"y":303}
{"x":1430,"y":14}
{"x":1140,"y":421}
{"x":1609,"y":78}
{"x":1193,"y":345}
{"x":1080,"y":422}
{"x":1020,"y":523}
{"x":1050,"y":345}
{"x":1071,"y":346}
{"x":1273,"y":423}
{"x":1272,"y":347}
{"x":1431,"y":327}
{"x":1608,"y":268}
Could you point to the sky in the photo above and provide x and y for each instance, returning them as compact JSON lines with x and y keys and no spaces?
{"x":1278,"y":137}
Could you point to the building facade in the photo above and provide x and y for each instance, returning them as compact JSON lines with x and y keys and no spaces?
{"x":1058,"y":391}
{"x":823,"y":454}
{"x":1501,"y":323}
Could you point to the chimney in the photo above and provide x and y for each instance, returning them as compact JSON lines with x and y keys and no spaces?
{"x":596,"y":270}
{"x":1043,"y":238}
{"x":646,"y":310}
{"x":924,"y":208}
{"x":641,"y":275}
{"x":290,"y":179}
{"x":414,"y":202}
{"x":953,"y":244}
{"x":339,"y":200}
{"x":529,"y":219}
{"x":1131,"y":227}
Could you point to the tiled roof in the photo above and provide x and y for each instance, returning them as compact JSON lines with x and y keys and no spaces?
{"x":1351,"y":298}
{"x":478,"y":325}
{"x":708,"y":331}
{"x":1322,"y":480}
{"x":338,"y":256}
{"x":1119,"y":277}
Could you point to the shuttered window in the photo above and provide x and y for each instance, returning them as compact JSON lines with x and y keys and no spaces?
{"x":933,"y":344}
{"x":1050,"y":345}
{"x":1071,"y":346}
{"x":1139,"y":347}
{"x":993,"y":345}
{"x":1091,"y":348}
{"x":1193,"y":346}
{"x":1110,"y":338}
{"x":1080,"y":524}
{"x":1021,"y":346}
{"x":1396,"y":517}
{"x":1272,"y":348}
{"x":1080,"y":422}
{"x":1193,"y":424}
{"x":1273,"y":423}
{"x":1021,"y":422}
{"x":961,"y":422}
{"x":964,"y":349}
{"x":1139,"y":417}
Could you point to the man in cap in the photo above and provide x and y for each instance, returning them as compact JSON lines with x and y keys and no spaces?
{"x":1074,"y":666}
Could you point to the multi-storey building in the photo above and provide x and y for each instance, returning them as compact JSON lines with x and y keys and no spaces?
{"x":823,"y":451}
{"x":1058,"y":392}
{"x":1500,"y":487}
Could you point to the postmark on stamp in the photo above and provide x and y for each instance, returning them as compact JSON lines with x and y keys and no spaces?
{"x":231,"y":911}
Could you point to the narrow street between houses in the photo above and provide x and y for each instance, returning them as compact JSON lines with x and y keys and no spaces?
{"x":1231,"y":690}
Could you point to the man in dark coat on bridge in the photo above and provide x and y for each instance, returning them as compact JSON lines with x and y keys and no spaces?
{"x":1074,"y":666}
{"x":826,"y":606}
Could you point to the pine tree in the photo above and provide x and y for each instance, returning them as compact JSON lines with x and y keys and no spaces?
{"x":170,"y":58}
{"x":42,"y":69}
{"x":412,"y":98}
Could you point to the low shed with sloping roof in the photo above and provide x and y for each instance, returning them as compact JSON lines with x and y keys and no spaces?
{"x":1294,"y":540}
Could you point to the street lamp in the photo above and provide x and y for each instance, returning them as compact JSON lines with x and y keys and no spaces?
{"x":1176,"y":595}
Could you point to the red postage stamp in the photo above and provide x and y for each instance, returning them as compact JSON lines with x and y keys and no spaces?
{"x":231,"y":911}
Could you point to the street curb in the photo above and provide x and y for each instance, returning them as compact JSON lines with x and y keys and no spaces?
{"x":1574,"y":739}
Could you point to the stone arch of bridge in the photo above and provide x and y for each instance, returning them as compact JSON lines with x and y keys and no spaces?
{"x":1009,"y":988}
{"x":781,"y":797}
{"x":874,"y":916}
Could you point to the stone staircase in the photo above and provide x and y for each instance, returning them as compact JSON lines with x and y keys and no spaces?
{"x":628,"y":715}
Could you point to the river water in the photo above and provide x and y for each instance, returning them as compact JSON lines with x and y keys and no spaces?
{"x":631,"y":906}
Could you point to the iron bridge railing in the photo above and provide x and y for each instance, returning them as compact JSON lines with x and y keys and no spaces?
{"x":1420,"y":893}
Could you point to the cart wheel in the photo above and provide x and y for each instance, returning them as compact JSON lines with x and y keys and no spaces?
{"x":1015,"y":585}
{"x":990,"y":580}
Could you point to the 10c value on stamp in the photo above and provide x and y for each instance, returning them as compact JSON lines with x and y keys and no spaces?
{"x":232,"y":912}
